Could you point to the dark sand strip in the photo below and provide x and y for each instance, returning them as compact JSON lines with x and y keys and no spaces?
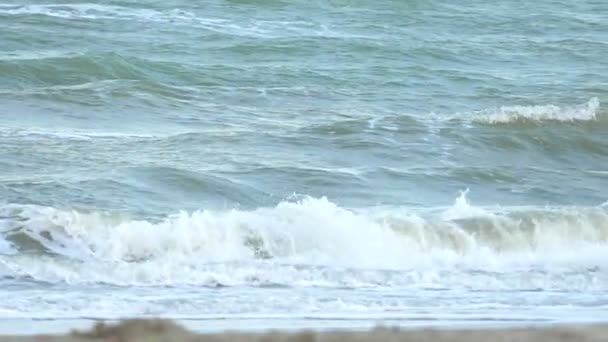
{"x":165,"y":331}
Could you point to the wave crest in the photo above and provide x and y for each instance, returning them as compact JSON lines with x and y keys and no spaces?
{"x":507,"y":114}
{"x":46,"y":243}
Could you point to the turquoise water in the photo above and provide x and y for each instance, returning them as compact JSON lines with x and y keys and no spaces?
{"x":342,"y":161}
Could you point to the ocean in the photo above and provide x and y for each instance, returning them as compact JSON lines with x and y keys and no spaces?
{"x":252,"y":165}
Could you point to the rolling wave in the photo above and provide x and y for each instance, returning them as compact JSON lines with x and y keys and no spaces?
{"x":83,"y":69}
{"x":315,"y":236}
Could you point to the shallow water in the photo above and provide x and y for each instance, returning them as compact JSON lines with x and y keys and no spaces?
{"x":304,"y":163}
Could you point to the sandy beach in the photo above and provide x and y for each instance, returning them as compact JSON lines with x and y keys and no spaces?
{"x":161,"y":330}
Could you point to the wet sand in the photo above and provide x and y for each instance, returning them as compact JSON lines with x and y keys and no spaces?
{"x":161,"y":331}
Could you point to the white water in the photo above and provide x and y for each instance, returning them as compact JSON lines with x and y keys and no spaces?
{"x":505,"y":114}
{"x":312,"y":242}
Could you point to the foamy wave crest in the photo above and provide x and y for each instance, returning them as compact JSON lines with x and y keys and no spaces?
{"x":584,"y":112}
{"x":312,"y":241}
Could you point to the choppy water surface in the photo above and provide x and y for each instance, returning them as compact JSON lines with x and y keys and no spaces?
{"x":304,"y":163}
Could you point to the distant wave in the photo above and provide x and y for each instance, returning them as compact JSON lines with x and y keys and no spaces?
{"x":85,"y":69}
{"x":176,"y":16}
{"x":93,"y":11}
{"x":270,"y":245}
{"x":68,"y":134}
{"x":506,"y":114}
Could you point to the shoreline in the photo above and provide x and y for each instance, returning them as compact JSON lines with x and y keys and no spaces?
{"x":137,"y":330}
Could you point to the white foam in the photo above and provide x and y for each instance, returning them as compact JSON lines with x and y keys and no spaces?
{"x":6,"y":247}
{"x":584,"y":112}
{"x":462,"y":209}
{"x":309,"y":242}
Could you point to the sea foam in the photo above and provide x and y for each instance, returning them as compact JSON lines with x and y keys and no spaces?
{"x":505,"y":114}
{"x":311,"y":241}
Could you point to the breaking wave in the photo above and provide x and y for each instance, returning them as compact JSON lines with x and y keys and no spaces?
{"x":584,"y":112}
{"x":312,"y":241}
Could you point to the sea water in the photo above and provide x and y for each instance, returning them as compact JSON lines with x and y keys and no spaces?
{"x":293,"y":164}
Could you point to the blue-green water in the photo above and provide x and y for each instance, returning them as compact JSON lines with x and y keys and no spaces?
{"x":263,"y":161}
